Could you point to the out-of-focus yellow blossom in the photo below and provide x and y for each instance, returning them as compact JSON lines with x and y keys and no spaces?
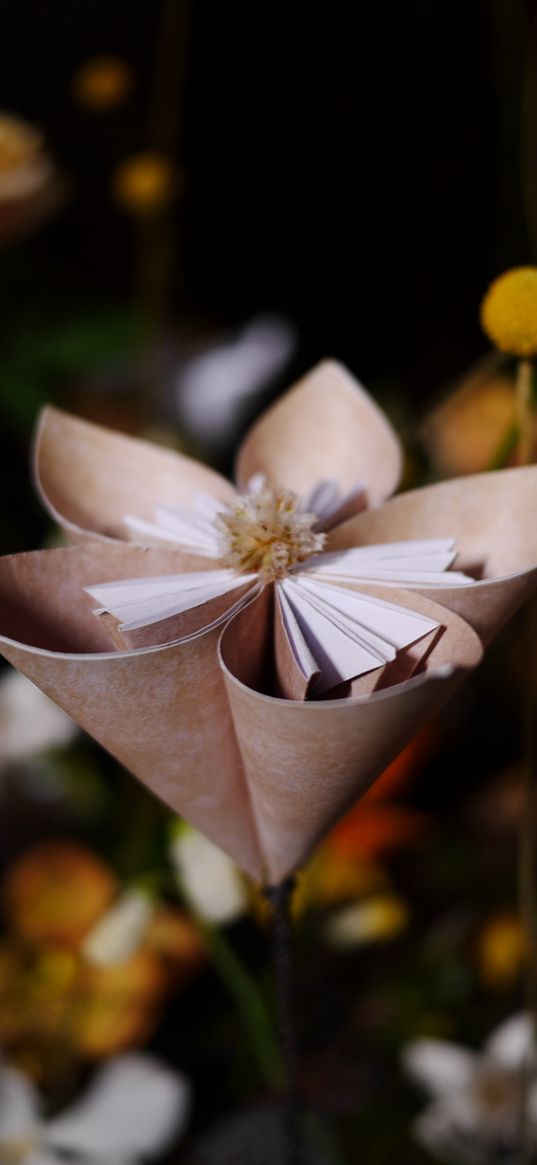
{"x":467,"y":431}
{"x":509,"y":312}
{"x":144,"y":184}
{"x":103,"y":83}
{"x":55,"y":893}
{"x":500,"y":951}
{"x":374,"y":920}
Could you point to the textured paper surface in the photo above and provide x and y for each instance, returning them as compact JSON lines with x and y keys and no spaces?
{"x":325,"y":426}
{"x":491,"y":516}
{"x":262,"y":777}
{"x":90,"y":478}
{"x":306,"y":763}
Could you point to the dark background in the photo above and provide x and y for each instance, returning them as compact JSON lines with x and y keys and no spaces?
{"x":355,"y":165}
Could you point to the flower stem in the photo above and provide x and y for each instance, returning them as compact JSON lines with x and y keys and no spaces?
{"x":280,"y":899}
{"x":249,"y":1003}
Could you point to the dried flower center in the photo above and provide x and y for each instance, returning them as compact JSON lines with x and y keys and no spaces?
{"x":266,"y":532}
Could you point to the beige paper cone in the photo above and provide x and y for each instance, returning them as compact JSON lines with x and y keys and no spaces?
{"x":491,"y":516}
{"x":90,"y":478}
{"x":307,"y":763}
{"x":162,"y":712}
{"x":325,"y":427}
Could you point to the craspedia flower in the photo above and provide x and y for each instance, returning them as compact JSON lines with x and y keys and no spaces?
{"x":509,"y":312}
{"x":145,"y":183}
{"x":102,"y":83}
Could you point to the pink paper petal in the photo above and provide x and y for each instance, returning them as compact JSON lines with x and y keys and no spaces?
{"x":491,"y":516}
{"x":326,"y":427}
{"x":90,"y":478}
{"x":307,"y":763}
{"x":162,"y":712}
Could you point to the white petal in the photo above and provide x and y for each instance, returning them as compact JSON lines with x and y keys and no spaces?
{"x":348,"y":633}
{"x":512,"y":1041}
{"x":437,"y":1131}
{"x":29,"y":721}
{"x":411,"y":563}
{"x":19,"y":1107}
{"x":134,"y":1107}
{"x":118,"y":934}
{"x":438,"y":1066}
{"x":139,"y":602}
{"x":209,"y":879}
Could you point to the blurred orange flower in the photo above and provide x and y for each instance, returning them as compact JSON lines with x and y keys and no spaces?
{"x":55,"y":892}
{"x":500,"y":951}
{"x":56,"y":1000}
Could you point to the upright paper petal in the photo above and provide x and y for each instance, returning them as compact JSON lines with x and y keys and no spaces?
{"x":163,"y":711}
{"x":326,"y":427}
{"x":306,"y":763}
{"x":491,"y":516}
{"x":90,"y":478}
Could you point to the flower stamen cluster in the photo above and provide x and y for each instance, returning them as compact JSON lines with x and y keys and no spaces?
{"x":265,"y":532}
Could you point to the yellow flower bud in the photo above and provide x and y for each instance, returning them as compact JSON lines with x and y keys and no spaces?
{"x":509,"y":312}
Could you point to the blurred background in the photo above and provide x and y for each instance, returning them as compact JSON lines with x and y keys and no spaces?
{"x":197,"y":203}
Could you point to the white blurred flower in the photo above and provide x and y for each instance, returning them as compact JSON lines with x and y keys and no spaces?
{"x":29,"y":722}
{"x":133,"y":1109}
{"x":209,"y":879}
{"x":217,"y":387}
{"x":118,"y":934}
{"x":474,"y":1117}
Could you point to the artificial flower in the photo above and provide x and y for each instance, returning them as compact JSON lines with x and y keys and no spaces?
{"x":133,"y":1109}
{"x":474,"y":428}
{"x":474,"y":1116}
{"x":189,"y":706}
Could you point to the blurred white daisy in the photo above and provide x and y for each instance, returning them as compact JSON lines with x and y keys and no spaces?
{"x":132,"y":1111}
{"x":474,"y":1117}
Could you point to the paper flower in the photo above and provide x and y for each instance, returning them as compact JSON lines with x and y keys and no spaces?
{"x":474,"y":1117}
{"x":189,"y":706}
{"x":133,"y":1109}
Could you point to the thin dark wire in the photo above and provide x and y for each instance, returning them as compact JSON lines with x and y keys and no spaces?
{"x":280,"y":899}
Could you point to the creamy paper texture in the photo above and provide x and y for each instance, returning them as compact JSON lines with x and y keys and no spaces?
{"x":262,"y":776}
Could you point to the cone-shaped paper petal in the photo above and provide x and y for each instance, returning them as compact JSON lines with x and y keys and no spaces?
{"x":163,"y":712}
{"x":491,"y":516}
{"x":326,"y":427}
{"x":306,"y":763}
{"x":90,"y":478}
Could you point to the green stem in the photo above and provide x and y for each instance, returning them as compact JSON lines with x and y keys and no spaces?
{"x":250,"y":1006}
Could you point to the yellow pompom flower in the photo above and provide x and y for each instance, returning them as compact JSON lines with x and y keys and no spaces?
{"x":102,"y":83}
{"x":509,"y":312}
{"x":144,"y":183}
